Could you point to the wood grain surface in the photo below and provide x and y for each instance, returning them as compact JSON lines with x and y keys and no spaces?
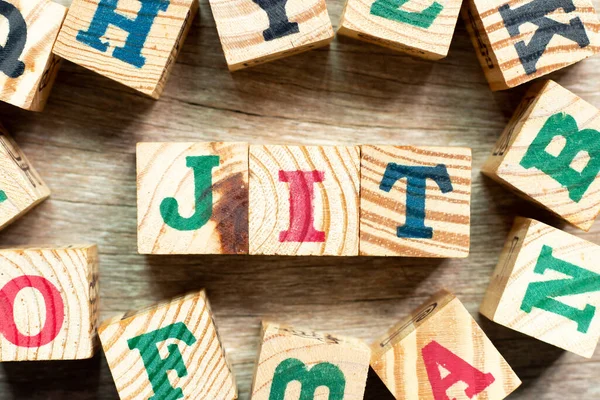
{"x":83,"y":145}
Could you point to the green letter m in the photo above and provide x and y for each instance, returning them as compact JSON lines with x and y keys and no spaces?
{"x":542,"y":294}
{"x":323,"y":374}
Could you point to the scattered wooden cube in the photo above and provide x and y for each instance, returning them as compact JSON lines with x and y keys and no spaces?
{"x":550,"y":154}
{"x":48,"y":303}
{"x":415,"y":201}
{"x":403,"y":25}
{"x":257,"y":31}
{"x":169,"y":351}
{"x":192,"y":198}
{"x":547,"y":285}
{"x":304,"y":200}
{"x":21,"y":188}
{"x":517,"y":41}
{"x":132,"y":42}
{"x":439,"y":352}
{"x":301,"y":364}
{"x":27,"y":66}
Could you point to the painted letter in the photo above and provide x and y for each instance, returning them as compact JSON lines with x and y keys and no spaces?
{"x":3,"y":196}
{"x":416,"y":184}
{"x":15,"y":42}
{"x":53,"y":302}
{"x":559,"y":167}
{"x":169,"y":207}
{"x":322,"y":374}
{"x":436,"y":355}
{"x":541,"y":294}
{"x":137,"y":29}
{"x":535,"y":12}
{"x":158,"y":367}
{"x":302,"y":194}
{"x":279,"y":24}
{"x":390,"y":9}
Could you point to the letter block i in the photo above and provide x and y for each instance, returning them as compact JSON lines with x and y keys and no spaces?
{"x":449,"y":356}
{"x":547,"y":285}
{"x":48,"y":303}
{"x":27,"y":66}
{"x":257,"y":31}
{"x":192,"y":198}
{"x":301,"y":364}
{"x":550,"y":154}
{"x":304,"y":200}
{"x":168,"y":351}
{"x":134,"y":42}
{"x":420,"y":28}
{"x":517,"y":41}
{"x":415,"y":201}
{"x":21,"y":188}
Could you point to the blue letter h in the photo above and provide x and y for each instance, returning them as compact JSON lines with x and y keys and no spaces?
{"x":137,"y":28}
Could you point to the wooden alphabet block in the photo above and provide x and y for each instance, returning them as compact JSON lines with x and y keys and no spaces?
{"x":192,"y":198}
{"x":300,"y":364}
{"x":415,"y":201}
{"x":439,"y":352}
{"x":423,"y":29}
{"x":48,"y":303}
{"x":547,"y":285}
{"x":304,"y":200}
{"x":517,"y":41}
{"x":550,"y":154}
{"x":134,"y":42}
{"x":168,"y":351}
{"x":27,"y":66}
{"x":257,"y":31}
{"x":21,"y":188}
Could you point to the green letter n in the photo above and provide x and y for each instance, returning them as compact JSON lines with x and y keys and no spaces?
{"x":323,"y":374}
{"x":559,"y":167}
{"x":390,"y":9}
{"x":169,"y":208}
{"x":542,"y":294}
{"x":156,"y":366}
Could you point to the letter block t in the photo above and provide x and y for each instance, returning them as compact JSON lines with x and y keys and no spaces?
{"x":300,"y":364}
{"x":48,"y":303}
{"x":257,"y":31}
{"x":304,"y":200}
{"x":550,"y":154}
{"x":547,"y":285}
{"x":192,"y":198}
{"x":169,"y":351}
{"x":27,"y":66}
{"x":21,"y":188}
{"x":134,"y":42}
{"x":439,"y":352}
{"x":421,"y":28}
{"x":415,"y":201}
{"x":517,"y":41}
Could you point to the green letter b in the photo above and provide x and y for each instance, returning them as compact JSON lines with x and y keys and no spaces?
{"x":323,"y":374}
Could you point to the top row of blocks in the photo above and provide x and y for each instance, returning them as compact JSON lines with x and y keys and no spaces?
{"x":136,"y":43}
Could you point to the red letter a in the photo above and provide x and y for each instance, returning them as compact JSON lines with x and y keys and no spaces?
{"x":435,"y":355}
{"x":302,"y":194}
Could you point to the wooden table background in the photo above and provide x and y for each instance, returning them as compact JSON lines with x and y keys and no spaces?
{"x":349,"y":93}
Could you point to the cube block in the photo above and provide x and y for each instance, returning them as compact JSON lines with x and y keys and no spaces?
{"x":421,"y":28}
{"x":304,"y":200}
{"x":130,"y":41}
{"x":439,"y":352}
{"x":192,"y":198}
{"x":415,"y":201}
{"x":517,"y":41}
{"x":301,"y":364}
{"x":550,"y":154}
{"x":169,"y":351}
{"x":27,"y":66}
{"x":547,"y":285}
{"x":48,"y":303}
